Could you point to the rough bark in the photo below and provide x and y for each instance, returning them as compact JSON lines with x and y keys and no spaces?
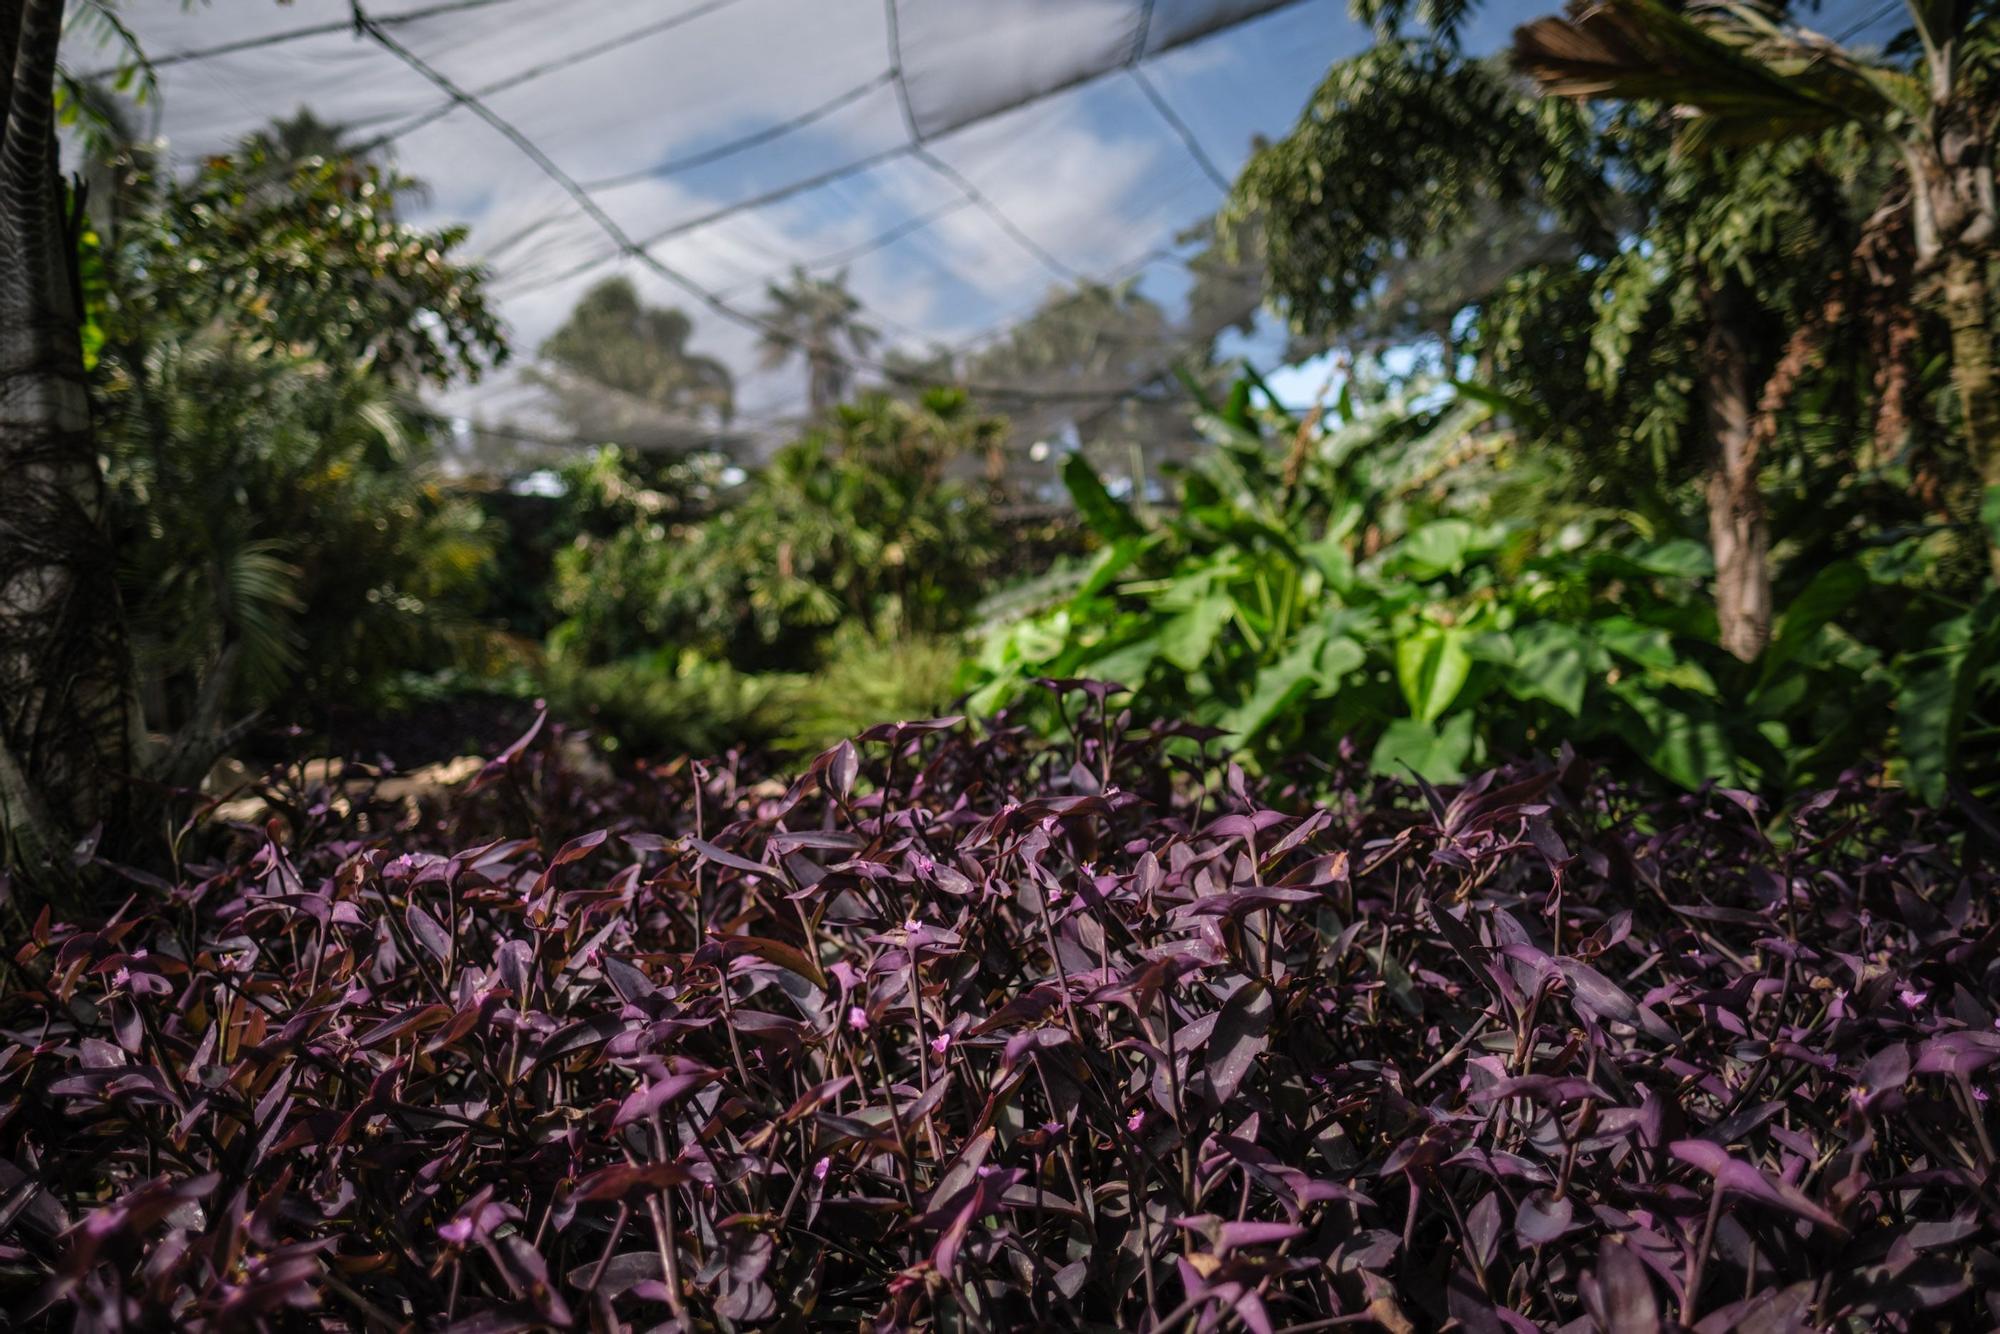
{"x":1738,"y":530}
{"x":66,"y":726}
{"x":1957,"y":225}
{"x":1967,"y":308}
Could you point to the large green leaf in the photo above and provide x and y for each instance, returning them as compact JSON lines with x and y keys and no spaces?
{"x":1437,"y":548}
{"x":1550,"y":661}
{"x":1832,"y":591}
{"x":1189,"y":637}
{"x":1276,"y":689}
{"x":1436,"y":754}
{"x":1105,"y":516}
{"x":1431,"y":667}
{"x":1940,"y":687}
{"x":1688,"y":748}
{"x":1653,"y":649}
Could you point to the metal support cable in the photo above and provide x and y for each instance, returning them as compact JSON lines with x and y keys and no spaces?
{"x":993,"y":211}
{"x":673,"y":166}
{"x":280,"y":38}
{"x":546,"y":68}
{"x":1180,"y":127}
{"x":1143,"y":35}
{"x":894,"y":32}
{"x":781,"y":193}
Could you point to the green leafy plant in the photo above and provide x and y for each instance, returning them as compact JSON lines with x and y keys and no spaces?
{"x":257,"y":331}
{"x":853,"y":525}
{"x":1352,"y":589}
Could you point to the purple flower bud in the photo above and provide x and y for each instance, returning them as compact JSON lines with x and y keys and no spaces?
{"x":857,"y":1018}
{"x":941,"y":1043}
{"x":1912,"y":998}
{"x":821,"y":1168}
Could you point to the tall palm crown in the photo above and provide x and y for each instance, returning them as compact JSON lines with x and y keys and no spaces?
{"x":817,"y":319}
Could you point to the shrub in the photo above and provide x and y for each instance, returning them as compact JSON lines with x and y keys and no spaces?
{"x":1404,"y":579}
{"x":852,"y":525}
{"x":663,"y":704}
{"x":966,"y":1031}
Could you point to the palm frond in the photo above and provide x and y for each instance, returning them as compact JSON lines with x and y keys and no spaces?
{"x":1743,"y":81}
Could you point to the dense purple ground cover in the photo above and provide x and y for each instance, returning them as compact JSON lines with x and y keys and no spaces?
{"x":963,"y":1032}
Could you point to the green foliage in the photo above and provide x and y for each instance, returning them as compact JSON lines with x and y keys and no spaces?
{"x":861,"y":682}
{"x":853,"y":524}
{"x":678,"y":703}
{"x":306,"y":258}
{"x":1401,"y":594}
{"x":1352,"y":603}
{"x":274,"y":519}
{"x":257,"y":329}
{"x":1403,"y":149}
{"x":669,"y":703}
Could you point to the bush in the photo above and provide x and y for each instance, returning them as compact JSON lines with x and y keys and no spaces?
{"x":852,"y":526}
{"x":967,"y":1031}
{"x":1403,"y":580}
{"x":663,"y":704}
{"x":659,"y":706}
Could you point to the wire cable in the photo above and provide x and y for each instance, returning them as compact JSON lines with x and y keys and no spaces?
{"x":280,"y":38}
{"x":1180,"y":127}
{"x":674,"y":166}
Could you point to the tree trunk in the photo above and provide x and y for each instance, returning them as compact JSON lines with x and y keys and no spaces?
{"x":1738,"y":532}
{"x":1967,"y":310}
{"x":66,"y":718}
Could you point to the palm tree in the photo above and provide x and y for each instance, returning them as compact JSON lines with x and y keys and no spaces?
{"x":1740,"y":77}
{"x":817,"y":319}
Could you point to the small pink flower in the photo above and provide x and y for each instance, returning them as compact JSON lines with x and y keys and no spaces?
{"x":1912,"y":998}
{"x":941,"y":1043}
{"x":1137,"y":1121}
{"x":821,"y":1168}
{"x":122,"y":978}
{"x":1055,"y":895}
{"x":1980,"y":1095}
{"x":1052,"y":1128}
{"x":458,"y":1231}
{"x":857,"y":1018}
{"x":913,"y":926}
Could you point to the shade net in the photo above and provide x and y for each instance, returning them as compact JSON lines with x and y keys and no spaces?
{"x":1014,"y":193}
